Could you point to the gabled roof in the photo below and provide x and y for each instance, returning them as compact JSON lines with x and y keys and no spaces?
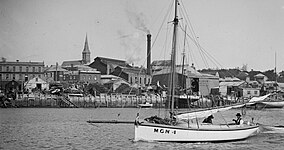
{"x":72,"y":62}
{"x":133,"y":70}
{"x":53,"y":68}
{"x":236,"y":83}
{"x":161,"y":63}
{"x":109,"y":77}
{"x":22,"y":63}
{"x":259,"y":75}
{"x":112,"y":61}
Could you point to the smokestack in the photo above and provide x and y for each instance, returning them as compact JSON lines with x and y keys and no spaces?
{"x":149,"y":72}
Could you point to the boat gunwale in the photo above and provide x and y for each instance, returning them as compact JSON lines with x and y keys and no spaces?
{"x":198,"y":129}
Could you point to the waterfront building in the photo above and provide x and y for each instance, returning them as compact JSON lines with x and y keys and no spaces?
{"x":36,"y":83}
{"x":107,"y":65}
{"x":134,"y":75}
{"x":19,"y":72}
{"x":81,"y":74}
{"x":261,"y":78}
{"x":54,"y":73}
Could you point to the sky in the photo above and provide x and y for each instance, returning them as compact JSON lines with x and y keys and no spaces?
{"x":232,"y":32}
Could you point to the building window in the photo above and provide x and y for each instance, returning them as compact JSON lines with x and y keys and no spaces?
{"x":33,"y":69}
{"x":90,"y":77}
{"x":39,"y":69}
{"x":20,"y":77}
{"x":7,"y":68}
{"x":70,"y":77}
{"x":0,"y":68}
{"x":20,"y":68}
{"x":14,"y":68}
{"x":248,"y":92}
{"x":255,"y":92}
{"x":7,"y":76}
{"x":14,"y":76}
{"x":39,"y":76}
{"x":95,"y":78}
{"x":27,"y":69}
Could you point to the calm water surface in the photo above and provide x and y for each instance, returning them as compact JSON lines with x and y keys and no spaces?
{"x":64,"y":128}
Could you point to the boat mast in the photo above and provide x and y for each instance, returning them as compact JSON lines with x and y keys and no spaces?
{"x":275,"y":78}
{"x":173,"y":65}
{"x":183,"y":57}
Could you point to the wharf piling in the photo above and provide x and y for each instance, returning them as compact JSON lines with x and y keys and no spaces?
{"x":110,"y":101}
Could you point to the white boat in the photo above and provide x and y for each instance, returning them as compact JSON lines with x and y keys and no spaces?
{"x":265,"y":102}
{"x":207,"y":133}
{"x":145,"y":105}
{"x":273,"y":104}
{"x":174,"y":129}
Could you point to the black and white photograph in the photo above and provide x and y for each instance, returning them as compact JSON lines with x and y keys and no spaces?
{"x":141,"y":74}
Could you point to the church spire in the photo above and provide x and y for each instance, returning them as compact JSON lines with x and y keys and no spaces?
{"x":86,"y":52}
{"x":86,"y":47}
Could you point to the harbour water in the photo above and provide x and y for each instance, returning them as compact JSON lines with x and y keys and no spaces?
{"x":66,"y":128}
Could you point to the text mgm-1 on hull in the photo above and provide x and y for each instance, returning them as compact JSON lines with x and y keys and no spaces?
{"x":177,"y":127}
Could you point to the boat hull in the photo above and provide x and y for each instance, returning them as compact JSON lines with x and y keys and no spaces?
{"x":271,"y":104}
{"x":145,"y":105}
{"x":166,"y":133}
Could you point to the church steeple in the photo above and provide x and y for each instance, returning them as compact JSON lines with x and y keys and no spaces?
{"x":86,"y":54}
